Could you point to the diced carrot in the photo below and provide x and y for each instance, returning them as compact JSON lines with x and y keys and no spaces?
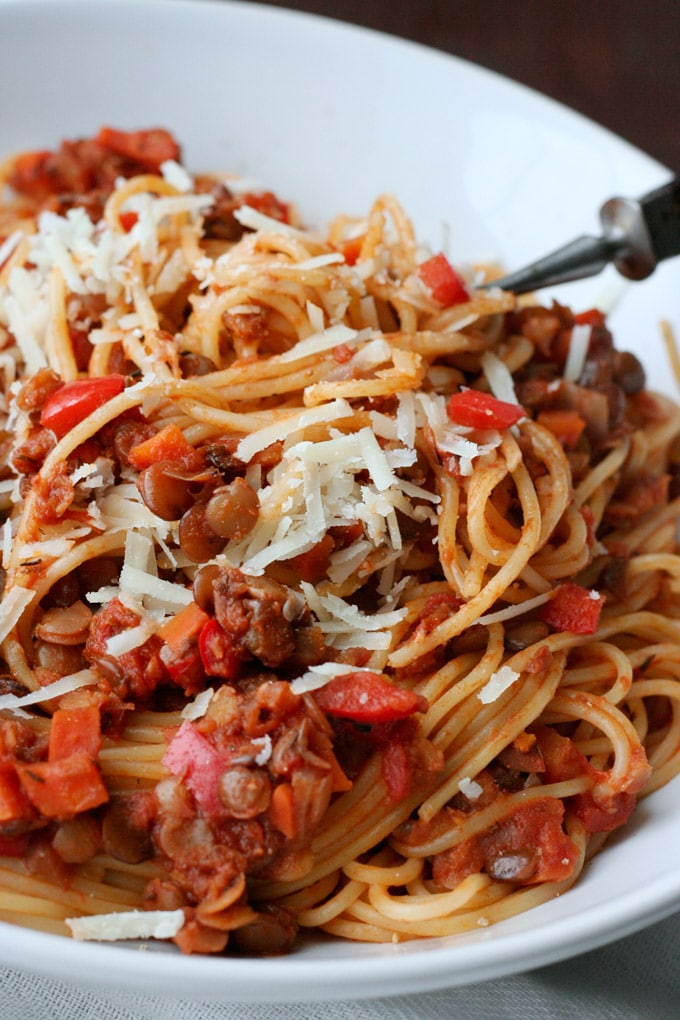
{"x":566,"y":426}
{"x":63,"y":788}
{"x":282,"y":810}
{"x":169,"y":444}
{"x":178,"y":631}
{"x":351,"y":249}
{"x":14,"y":805}
{"x":75,"y":729}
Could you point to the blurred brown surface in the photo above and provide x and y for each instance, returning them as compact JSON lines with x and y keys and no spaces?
{"x":616,"y":61}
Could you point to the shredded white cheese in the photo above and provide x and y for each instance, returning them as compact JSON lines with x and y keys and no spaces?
{"x":264,"y":437}
{"x":133,"y":924}
{"x":324,"y":340}
{"x":9,"y":245}
{"x":197,"y":708}
{"x":318,"y":676}
{"x":66,"y":684}
{"x":255,"y":220}
{"x":510,"y":612}
{"x":499,"y":378}
{"x":469,"y":788}
{"x":578,"y":352}
{"x":346,"y":626}
{"x":265,"y":745}
{"x":13,"y":604}
{"x":497,"y":684}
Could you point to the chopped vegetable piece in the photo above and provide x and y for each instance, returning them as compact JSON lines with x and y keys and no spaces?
{"x":219,"y":655}
{"x":179,"y":630}
{"x":477,"y":410}
{"x":573,"y":609}
{"x":566,"y":426}
{"x":63,"y":788}
{"x":442,"y":280}
{"x":14,"y":805}
{"x":75,"y":729}
{"x":193,"y":759}
{"x":74,"y":401}
{"x":396,"y":771}
{"x":367,"y":697}
{"x":282,"y":810}
{"x":169,"y":444}
{"x":591,"y":317}
{"x":128,"y":220}
{"x":149,"y":148}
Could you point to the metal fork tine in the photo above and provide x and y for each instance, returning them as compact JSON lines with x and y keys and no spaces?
{"x":636,"y":235}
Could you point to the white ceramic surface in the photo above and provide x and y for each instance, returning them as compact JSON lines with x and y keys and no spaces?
{"x":330,"y":116}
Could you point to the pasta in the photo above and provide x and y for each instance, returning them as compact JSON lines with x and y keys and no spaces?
{"x":339,"y":591}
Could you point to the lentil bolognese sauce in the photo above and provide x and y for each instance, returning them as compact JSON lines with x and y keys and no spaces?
{"x":338,"y":593}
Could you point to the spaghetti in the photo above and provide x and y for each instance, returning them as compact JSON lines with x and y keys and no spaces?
{"x":339,"y":594}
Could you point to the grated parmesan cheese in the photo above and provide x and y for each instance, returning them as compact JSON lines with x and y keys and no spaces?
{"x":264,"y":437}
{"x":12,"y":606}
{"x":510,"y":612}
{"x":176,"y":175}
{"x":499,"y":378}
{"x":265,"y":745}
{"x":497,"y":684}
{"x":66,"y":684}
{"x":197,"y":708}
{"x":470,"y":789}
{"x":255,"y":220}
{"x":324,"y":340}
{"x":578,"y":352}
{"x":345,"y":626}
{"x":10,"y":244}
{"x":318,"y":676}
{"x":132,"y":924}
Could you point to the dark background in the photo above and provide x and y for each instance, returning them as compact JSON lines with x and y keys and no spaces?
{"x":616,"y":61}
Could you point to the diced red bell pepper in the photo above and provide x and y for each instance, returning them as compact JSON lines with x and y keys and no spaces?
{"x":368,"y":698}
{"x":476,"y":410}
{"x":193,"y":759}
{"x":74,"y":401}
{"x":591,"y":317}
{"x":573,"y":609}
{"x":149,"y":148}
{"x":396,"y":771}
{"x":75,"y":729}
{"x":169,"y":444}
{"x":442,"y":280}
{"x":128,"y":220}
{"x":63,"y":788}
{"x":219,"y":655}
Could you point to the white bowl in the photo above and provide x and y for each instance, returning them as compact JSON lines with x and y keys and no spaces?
{"x":330,"y":116}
